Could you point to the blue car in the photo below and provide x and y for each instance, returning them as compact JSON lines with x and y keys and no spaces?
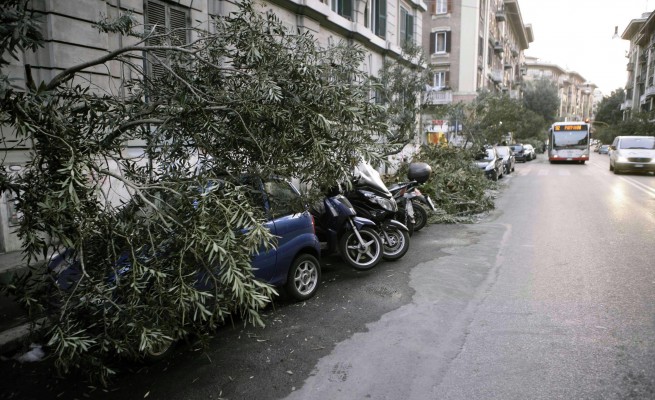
{"x":292,"y":264}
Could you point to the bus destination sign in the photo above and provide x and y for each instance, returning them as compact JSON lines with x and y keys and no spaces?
{"x":570,"y":127}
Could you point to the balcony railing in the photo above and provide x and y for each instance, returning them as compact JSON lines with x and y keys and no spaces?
{"x":500,"y":15}
{"x":436,"y":96}
{"x":626,"y":105}
{"x":650,"y":91}
{"x":496,"y":75}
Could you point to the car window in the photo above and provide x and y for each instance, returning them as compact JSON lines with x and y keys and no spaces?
{"x":283,"y":198}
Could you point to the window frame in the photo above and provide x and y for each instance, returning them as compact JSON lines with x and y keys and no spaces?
{"x":443,"y":79}
{"x":440,"y":7}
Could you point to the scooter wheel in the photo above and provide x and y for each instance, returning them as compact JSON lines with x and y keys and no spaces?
{"x":395,"y":242}
{"x":420,"y":216}
{"x":361,"y":256}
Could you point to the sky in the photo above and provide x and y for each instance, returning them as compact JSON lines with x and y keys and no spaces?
{"x":577,"y":36}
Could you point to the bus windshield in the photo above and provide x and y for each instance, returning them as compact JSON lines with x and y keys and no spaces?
{"x":570,"y":139}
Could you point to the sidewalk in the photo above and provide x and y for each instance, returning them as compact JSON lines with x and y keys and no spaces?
{"x":13,"y":319}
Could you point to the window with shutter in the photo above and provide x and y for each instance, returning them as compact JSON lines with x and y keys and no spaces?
{"x":343,"y":8}
{"x":406,"y":27}
{"x":441,"y":6}
{"x":168,"y":26}
{"x":440,"y":42}
{"x":379,"y":18}
{"x":438,"y":79}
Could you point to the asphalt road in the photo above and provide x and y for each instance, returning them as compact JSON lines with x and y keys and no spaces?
{"x":550,"y":296}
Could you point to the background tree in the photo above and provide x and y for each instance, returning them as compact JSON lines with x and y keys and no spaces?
{"x":609,"y":116}
{"x":400,"y":85}
{"x":609,"y":108}
{"x":540,"y":96}
{"x":248,"y":97}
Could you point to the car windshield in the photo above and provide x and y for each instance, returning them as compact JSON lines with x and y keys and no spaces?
{"x":570,"y":139}
{"x":488,"y":155}
{"x":502,"y":151}
{"x":638,"y":143}
{"x":517,"y":148}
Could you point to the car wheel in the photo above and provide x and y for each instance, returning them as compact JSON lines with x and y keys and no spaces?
{"x":159,"y":351}
{"x":304,"y":277}
{"x":616,"y":171}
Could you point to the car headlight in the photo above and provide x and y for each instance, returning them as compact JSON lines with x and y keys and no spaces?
{"x":621,"y":159}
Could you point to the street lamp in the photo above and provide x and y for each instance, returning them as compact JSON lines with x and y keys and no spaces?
{"x":616,"y":32}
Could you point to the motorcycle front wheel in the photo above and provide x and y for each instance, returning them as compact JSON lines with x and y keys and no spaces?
{"x":395,"y":243}
{"x":361,"y":256}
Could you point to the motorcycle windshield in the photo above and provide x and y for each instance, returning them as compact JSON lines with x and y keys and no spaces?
{"x":369,"y":176}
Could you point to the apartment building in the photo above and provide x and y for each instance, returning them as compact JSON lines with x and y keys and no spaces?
{"x":379,"y":26}
{"x":576,"y":95}
{"x":640,"y":85}
{"x":472,"y":46}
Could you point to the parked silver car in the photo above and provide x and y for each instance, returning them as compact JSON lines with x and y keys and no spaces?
{"x":489,"y":161}
{"x":530,"y":154}
{"x":507,"y":154}
{"x":632,"y":154}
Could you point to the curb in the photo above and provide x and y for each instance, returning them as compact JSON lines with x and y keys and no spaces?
{"x":15,"y":330}
{"x":11,"y":339}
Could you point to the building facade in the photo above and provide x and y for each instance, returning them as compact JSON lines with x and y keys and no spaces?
{"x":379,"y":26}
{"x":576,"y":95}
{"x":473,"y":48}
{"x":640,"y":84}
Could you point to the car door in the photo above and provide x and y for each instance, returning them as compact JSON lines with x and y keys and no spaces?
{"x":288,"y":220}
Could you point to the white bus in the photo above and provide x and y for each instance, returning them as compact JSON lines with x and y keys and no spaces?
{"x":569,"y":142}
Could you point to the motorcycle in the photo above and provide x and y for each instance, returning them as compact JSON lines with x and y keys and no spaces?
{"x":341,"y":231}
{"x":371,"y":199}
{"x":418,"y":173}
{"x":402,"y":193}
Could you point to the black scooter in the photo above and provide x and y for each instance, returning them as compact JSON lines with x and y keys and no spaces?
{"x":418,"y":173}
{"x":342,"y":232}
{"x":372,"y":200}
